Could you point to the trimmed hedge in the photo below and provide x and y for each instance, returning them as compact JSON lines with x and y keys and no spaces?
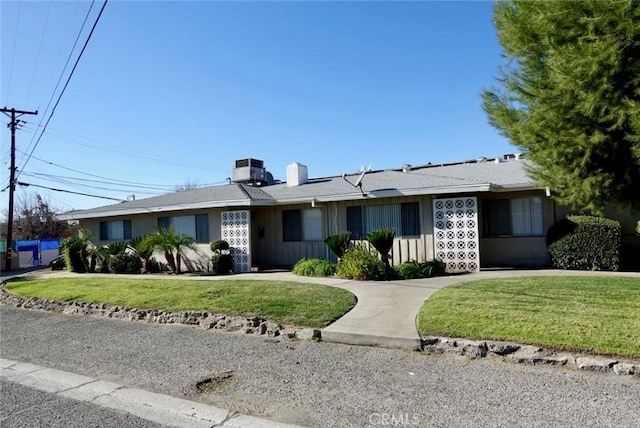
{"x":585,"y":243}
{"x":222,"y":263}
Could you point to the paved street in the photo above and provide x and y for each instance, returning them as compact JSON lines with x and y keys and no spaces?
{"x":319,"y":384}
{"x":23,"y":407}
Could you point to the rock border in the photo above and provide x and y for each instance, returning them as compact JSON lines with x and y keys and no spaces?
{"x":527,"y":354}
{"x":207,"y":320}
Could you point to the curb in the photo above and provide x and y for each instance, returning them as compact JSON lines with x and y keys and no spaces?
{"x":407,"y":343}
{"x":158,"y":408}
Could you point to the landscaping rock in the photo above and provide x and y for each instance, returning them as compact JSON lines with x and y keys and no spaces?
{"x":502,"y":348}
{"x":308,"y":334}
{"x":473,"y":349}
{"x":595,"y":364}
{"x":529,"y":354}
{"x":204,"y":319}
{"x":626,"y":369}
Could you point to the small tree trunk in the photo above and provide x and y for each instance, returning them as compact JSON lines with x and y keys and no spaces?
{"x":170,"y":260}
{"x":145,"y":265}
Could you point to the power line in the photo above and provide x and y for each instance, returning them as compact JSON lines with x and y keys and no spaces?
{"x":53,"y":93}
{"x":110,"y":148}
{"x":110,"y":180}
{"x":21,"y":183}
{"x":58,"y":56}
{"x":66,"y":180}
{"x":67,"y":83}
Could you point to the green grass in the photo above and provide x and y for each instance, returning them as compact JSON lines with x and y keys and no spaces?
{"x":592,"y":314}
{"x":289,"y":303}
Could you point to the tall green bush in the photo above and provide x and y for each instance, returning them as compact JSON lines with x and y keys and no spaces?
{"x":362,"y":264}
{"x":72,"y":250}
{"x":585,"y":243}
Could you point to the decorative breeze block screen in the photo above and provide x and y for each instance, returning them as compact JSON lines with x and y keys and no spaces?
{"x":236,"y":231}
{"x":455,"y":232}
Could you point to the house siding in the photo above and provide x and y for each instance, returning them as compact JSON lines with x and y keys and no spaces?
{"x":404,"y":249}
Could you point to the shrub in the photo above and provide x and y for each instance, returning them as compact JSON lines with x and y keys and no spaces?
{"x":219,"y":246}
{"x":382,"y":240}
{"x":413,"y":269}
{"x":72,"y":249}
{"x":338,"y":244}
{"x":222,"y":263}
{"x":363,"y":264}
{"x":434,"y":267}
{"x":585,"y":242}
{"x":408,"y":270}
{"x":125,"y":263}
{"x":314,"y":267}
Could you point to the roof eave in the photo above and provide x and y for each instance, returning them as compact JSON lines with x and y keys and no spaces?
{"x":515,"y":187}
{"x":156,"y":209}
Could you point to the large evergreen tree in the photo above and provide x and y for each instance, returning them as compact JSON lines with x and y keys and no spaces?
{"x":569,"y":96}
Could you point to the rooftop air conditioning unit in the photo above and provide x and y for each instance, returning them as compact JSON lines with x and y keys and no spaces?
{"x":248,"y":171}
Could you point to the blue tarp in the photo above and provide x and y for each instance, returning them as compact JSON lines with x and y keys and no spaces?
{"x":49,"y":244}
{"x":26,"y":245}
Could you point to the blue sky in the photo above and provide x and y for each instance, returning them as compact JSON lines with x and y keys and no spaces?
{"x":169,"y":93}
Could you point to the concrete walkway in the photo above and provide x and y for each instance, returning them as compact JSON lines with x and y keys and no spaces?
{"x":385,"y":314}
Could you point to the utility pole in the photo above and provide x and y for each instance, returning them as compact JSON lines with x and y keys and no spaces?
{"x":15,"y":114}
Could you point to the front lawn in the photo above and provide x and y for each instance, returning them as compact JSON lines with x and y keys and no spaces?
{"x":592,"y":314}
{"x":289,"y":303}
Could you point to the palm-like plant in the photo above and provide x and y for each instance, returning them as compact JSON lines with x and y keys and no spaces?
{"x":183,"y":242}
{"x":76,"y":252}
{"x":382,"y":240}
{"x":168,"y":242}
{"x":163,"y":240}
{"x":143,"y":249}
{"x":338,"y":244}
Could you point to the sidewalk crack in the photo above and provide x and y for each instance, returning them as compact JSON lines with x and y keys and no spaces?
{"x":232,"y":414}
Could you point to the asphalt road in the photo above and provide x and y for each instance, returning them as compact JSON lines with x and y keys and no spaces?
{"x":319,"y":384}
{"x":23,"y":407}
